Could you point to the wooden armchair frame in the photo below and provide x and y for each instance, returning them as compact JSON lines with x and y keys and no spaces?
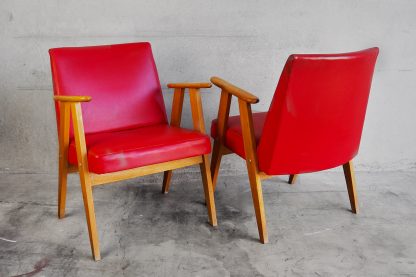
{"x":245,"y":99}
{"x":71,"y":106}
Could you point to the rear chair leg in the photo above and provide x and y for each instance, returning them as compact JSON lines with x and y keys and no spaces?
{"x":208,"y":190}
{"x":215,"y":162}
{"x":167,"y":176}
{"x":350,"y":180}
{"x":257,"y":194}
{"x":292,"y":178}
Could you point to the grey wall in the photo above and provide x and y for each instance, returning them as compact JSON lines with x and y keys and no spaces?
{"x":245,"y":42}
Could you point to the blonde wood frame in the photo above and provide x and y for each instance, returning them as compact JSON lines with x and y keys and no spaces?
{"x":292,"y":179}
{"x":70,"y":106}
{"x":245,"y":99}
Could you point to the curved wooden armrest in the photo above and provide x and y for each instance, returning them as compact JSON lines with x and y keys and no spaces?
{"x":64,"y":98}
{"x":236,"y":91}
{"x":189,"y":85}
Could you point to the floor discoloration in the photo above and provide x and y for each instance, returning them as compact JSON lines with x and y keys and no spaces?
{"x":146,"y":233}
{"x":38,"y":267}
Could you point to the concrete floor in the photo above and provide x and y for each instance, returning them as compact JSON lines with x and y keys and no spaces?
{"x":145,"y":233}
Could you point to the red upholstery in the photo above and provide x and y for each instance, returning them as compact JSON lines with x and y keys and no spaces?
{"x":317,"y":114}
{"x":125,"y":123}
{"x":234,"y":137}
{"x":121,"y":79}
{"x":115,"y":151}
{"x":316,"y":117}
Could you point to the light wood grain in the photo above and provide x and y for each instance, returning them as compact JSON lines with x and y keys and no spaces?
{"x":222,"y":122}
{"x":85,"y":178}
{"x":65,"y":98}
{"x":236,"y":91}
{"x":189,"y":85}
{"x":64,"y":121}
{"x":175,"y":121}
{"x":252,"y":167}
{"x":208,"y":190}
{"x":98,"y":179}
{"x":197,"y":112}
{"x":351,"y":185}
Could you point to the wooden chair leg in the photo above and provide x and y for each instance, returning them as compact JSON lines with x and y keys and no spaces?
{"x":85,"y":178}
{"x":90,"y":215}
{"x":252,"y":169}
{"x":257,"y":194}
{"x":350,"y":180}
{"x":63,"y":156}
{"x":167,"y":176}
{"x":215,"y":163}
{"x":208,"y":190}
{"x":62,"y":182}
{"x":292,"y":178}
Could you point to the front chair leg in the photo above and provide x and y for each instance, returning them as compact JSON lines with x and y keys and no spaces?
{"x":208,"y":190}
{"x":63,"y":157}
{"x":85,"y":178}
{"x":167,"y":176}
{"x":292,"y":178}
{"x":252,"y":169}
{"x":215,"y":162}
{"x":62,"y":182}
{"x":257,"y":195}
{"x":90,"y":215}
{"x":350,"y":180}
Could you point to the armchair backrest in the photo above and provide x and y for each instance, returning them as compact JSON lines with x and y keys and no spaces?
{"x":121,"y":79}
{"x":317,"y":114}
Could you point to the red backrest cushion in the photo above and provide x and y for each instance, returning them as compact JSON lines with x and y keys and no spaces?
{"x":121,"y":79}
{"x":317,"y":114}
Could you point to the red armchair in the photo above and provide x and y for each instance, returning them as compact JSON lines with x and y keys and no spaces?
{"x":314,"y":122}
{"x":123,"y":132}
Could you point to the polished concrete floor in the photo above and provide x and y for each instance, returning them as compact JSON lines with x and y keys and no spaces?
{"x":145,"y":233}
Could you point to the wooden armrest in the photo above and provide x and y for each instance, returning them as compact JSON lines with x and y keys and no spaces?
{"x":63,"y":98}
{"x":236,"y":91}
{"x":189,"y":85}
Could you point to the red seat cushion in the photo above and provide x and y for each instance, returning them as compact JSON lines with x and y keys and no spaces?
{"x":234,"y":135}
{"x":120,"y":150}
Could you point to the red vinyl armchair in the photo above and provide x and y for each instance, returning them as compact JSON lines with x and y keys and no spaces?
{"x":314,"y":122}
{"x":119,"y":127}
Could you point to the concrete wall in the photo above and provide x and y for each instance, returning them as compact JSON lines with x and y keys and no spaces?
{"x":246,"y":42}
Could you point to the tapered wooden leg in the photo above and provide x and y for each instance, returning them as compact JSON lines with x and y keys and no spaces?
{"x":62,"y":180}
{"x":167,"y":176}
{"x":257,"y":195}
{"x":90,"y":215}
{"x":215,"y":163}
{"x":63,"y":157}
{"x":350,"y":180}
{"x":253,"y":172}
{"x":208,"y":190}
{"x":85,"y":178}
{"x":292,"y":178}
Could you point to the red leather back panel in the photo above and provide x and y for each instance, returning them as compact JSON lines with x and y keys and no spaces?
{"x":122,"y":80}
{"x":317,"y":114}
